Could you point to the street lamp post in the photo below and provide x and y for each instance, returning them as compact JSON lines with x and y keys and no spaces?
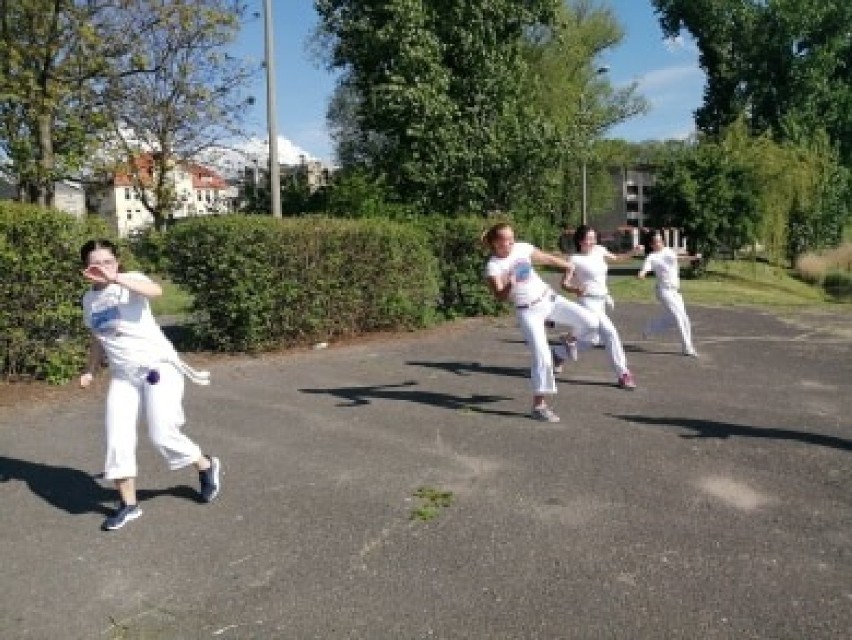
{"x":585,"y":199}
{"x":271,"y":118}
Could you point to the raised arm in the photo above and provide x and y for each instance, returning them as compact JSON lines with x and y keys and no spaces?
{"x":552,"y":260}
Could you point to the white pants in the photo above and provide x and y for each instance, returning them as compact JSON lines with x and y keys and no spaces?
{"x":584,"y":325}
{"x":674,"y":316}
{"x":163,"y":404}
{"x":596,"y":305}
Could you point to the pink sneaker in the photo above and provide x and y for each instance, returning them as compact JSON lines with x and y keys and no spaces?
{"x":626,"y":381}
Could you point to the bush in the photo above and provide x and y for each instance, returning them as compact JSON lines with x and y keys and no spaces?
{"x":258,"y":282}
{"x":461,"y":256}
{"x":41,"y":321}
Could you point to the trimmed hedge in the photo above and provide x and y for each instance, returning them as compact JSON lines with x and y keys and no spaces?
{"x":258,"y":282}
{"x":41,"y":321}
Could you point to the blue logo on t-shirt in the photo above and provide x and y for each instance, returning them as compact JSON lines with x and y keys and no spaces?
{"x":522,"y":271}
{"x":101,"y":320}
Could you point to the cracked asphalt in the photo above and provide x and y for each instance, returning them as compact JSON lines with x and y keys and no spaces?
{"x":713,"y":502}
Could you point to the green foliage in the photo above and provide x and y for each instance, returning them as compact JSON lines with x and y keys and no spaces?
{"x":41,"y":321}
{"x":783,"y":64}
{"x":432,"y":500}
{"x":259,"y":282}
{"x":461,"y":259}
{"x":737,"y":190}
{"x":432,"y":98}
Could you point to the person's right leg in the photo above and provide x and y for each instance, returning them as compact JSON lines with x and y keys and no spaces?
{"x":122,"y":413}
{"x":542,"y":379}
{"x":673,"y":301}
{"x":662,"y":322}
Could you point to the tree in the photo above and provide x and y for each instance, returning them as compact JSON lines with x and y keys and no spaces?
{"x":52,"y":54}
{"x":783,"y":64}
{"x":191,"y":100}
{"x":572,"y":91}
{"x":431,"y":100}
{"x":150,"y":71}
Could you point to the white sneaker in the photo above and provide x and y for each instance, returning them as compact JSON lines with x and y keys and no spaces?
{"x":692,"y":353}
{"x":544,"y":414}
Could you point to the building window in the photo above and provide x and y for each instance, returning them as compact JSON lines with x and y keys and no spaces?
{"x":127,"y":194}
{"x":129,"y":215}
{"x":198,"y":195}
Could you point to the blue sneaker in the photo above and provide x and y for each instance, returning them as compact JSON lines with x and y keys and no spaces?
{"x":209,"y":479}
{"x":125,"y":513}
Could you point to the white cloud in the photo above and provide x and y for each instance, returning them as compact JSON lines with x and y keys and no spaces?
{"x":231,"y":161}
{"x":659,"y":80}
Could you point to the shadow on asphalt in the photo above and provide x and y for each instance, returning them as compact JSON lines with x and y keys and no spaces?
{"x":75,"y":491}
{"x":358,"y":396}
{"x":723,"y":430}
{"x":469,"y":368}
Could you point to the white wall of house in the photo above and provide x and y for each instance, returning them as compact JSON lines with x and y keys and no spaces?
{"x":197,"y":196}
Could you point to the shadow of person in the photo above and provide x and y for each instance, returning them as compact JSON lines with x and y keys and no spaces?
{"x":723,"y":430}
{"x":470,"y":368}
{"x":358,"y":396}
{"x":74,"y":491}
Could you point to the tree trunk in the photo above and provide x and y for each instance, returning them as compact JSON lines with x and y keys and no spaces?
{"x":47,"y":160}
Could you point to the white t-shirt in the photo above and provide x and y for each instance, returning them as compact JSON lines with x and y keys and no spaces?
{"x":125,"y":327}
{"x":665,"y":266}
{"x":590,"y":271}
{"x":528,"y":286}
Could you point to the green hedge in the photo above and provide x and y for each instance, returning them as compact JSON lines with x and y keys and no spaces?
{"x":41,"y":325}
{"x":259,"y":282}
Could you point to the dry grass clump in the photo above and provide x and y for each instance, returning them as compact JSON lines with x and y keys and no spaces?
{"x":814,"y":267}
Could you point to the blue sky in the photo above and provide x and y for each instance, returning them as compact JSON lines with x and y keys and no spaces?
{"x":667,"y":72}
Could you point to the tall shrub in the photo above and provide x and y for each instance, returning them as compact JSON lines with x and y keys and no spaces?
{"x":259,"y":282}
{"x":41,"y":328}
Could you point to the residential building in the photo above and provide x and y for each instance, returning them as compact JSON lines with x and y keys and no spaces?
{"x":200,"y":190}
{"x":312,"y":173}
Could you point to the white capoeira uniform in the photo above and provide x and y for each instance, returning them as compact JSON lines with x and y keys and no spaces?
{"x":535,"y":302}
{"x":664,"y":264}
{"x":590,"y":273}
{"x":135,"y":346}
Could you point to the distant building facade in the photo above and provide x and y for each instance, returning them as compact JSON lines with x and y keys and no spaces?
{"x":200,"y":192}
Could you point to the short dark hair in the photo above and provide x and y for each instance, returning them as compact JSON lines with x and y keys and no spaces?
{"x":580,"y":234}
{"x":93,"y":245}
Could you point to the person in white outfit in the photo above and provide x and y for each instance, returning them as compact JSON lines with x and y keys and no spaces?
{"x":589,"y":283}
{"x":665,"y":264}
{"x":511,"y":276}
{"x":145,"y":371}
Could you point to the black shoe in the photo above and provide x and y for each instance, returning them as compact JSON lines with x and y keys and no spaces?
{"x":209,"y":479}
{"x":125,"y":513}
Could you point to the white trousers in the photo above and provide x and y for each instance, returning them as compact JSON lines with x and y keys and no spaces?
{"x":674,"y":316}
{"x":163,"y":405}
{"x":596,"y":305}
{"x":584,"y":325}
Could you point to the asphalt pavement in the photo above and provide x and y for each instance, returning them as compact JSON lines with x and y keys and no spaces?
{"x":715,"y":501}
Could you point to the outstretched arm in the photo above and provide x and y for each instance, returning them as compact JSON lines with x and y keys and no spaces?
{"x":542,"y":257}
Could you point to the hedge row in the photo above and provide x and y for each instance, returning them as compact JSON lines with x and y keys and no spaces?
{"x":256,"y":282}
{"x":41,"y":329}
{"x":259,"y":282}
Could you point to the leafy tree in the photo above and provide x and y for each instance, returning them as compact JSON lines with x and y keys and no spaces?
{"x":193,"y":98}
{"x":783,"y":64}
{"x":576,"y":99}
{"x":150,"y":71}
{"x":432,"y":98}
{"x":52,"y":54}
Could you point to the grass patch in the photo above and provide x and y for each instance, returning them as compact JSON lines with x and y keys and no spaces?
{"x":431,"y":502}
{"x":730,"y":282}
{"x":175,"y":301}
